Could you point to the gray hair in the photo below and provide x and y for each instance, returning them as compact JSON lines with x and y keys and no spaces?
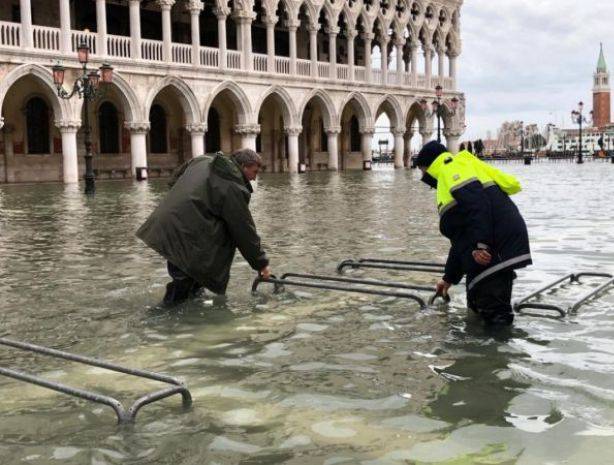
{"x":246,"y":157}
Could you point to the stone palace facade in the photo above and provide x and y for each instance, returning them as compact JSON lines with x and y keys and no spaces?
{"x":300,"y":81}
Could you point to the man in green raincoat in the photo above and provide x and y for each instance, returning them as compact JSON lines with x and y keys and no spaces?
{"x":202,"y":221}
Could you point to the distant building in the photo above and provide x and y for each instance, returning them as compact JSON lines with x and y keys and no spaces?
{"x":602,"y":113}
{"x":602,"y":129}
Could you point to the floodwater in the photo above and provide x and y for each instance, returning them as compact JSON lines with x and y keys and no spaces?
{"x":306,"y":376}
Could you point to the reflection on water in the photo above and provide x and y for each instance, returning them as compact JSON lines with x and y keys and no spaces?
{"x":306,"y":376}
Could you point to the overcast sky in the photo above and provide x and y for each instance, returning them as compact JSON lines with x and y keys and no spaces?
{"x":530,"y":60}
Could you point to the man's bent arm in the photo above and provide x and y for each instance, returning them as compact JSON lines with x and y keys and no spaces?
{"x":238,"y":219}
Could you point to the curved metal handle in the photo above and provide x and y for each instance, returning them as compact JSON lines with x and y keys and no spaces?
{"x":344,"y":264}
{"x":446,"y":298}
{"x":273,"y":280}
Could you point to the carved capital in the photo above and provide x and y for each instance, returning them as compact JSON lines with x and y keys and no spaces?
{"x":244,"y":17}
{"x":221,"y":13}
{"x":368,"y":131}
{"x":247,"y":129}
{"x":332,"y":30}
{"x":195,"y":6}
{"x":367,"y":36}
{"x":313,"y":28}
{"x":293,"y":130}
{"x":271,"y":20}
{"x":68,"y":126}
{"x":196,"y":128}
{"x":351,"y":34}
{"x":398,"y":132}
{"x":400,"y":41}
{"x":166,"y":4}
{"x":138,"y":127}
{"x":453,"y":132}
{"x":333,"y":130}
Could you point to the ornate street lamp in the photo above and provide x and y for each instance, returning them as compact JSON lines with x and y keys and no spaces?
{"x":439,"y":109}
{"x":578,"y":118}
{"x":87,"y":87}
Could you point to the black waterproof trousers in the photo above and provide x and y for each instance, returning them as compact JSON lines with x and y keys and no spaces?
{"x":492,"y":299}
{"x":181,"y":288}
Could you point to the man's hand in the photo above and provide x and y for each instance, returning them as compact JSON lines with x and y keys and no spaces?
{"x":442,"y":287}
{"x":482,"y":257}
{"x":265,"y":272}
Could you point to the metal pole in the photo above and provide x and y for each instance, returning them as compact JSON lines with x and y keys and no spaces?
{"x":90,"y":187}
{"x":439,"y":122}
{"x":580,"y":161}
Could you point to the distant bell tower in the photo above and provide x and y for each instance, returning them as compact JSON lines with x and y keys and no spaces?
{"x":601,"y":94}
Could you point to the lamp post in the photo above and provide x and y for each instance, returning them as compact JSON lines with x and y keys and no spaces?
{"x":87,"y":87}
{"x":578,"y":118}
{"x":439,"y":109}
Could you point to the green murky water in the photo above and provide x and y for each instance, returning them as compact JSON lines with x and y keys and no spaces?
{"x":308,"y":376}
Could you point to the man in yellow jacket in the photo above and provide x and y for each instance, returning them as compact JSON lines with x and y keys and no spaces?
{"x":488,"y":235}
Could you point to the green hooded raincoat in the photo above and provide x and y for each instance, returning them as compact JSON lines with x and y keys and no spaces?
{"x":203,"y":219}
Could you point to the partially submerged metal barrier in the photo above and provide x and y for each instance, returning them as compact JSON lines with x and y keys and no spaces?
{"x":311,"y":281}
{"x":426,"y":267}
{"x":525,"y":303}
{"x":123,"y":415}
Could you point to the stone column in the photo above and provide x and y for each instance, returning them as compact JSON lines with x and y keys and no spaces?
{"x":135,"y":29}
{"x":221,"y":37}
{"x":270,"y":22}
{"x":398,"y":147}
{"x":428,"y":63}
{"x":167,"y":29}
{"x":70,"y":163}
{"x":414,"y":65}
{"x":195,"y":7}
{"x":313,"y":49}
{"x":366,"y":142}
{"x":293,"y":155}
{"x":441,"y":64}
{"x":452,"y":65}
{"x":25,"y":9}
{"x":351,"y":36}
{"x":332,"y":50}
{"x":368,"y":39}
{"x":452,"y":139}
{"x":138,"y":144}
{"x":407,"y":148}
{"x":292,"y":27}
{"x":333,"y":147}
{"x":101,"y":25}
{"x":427,"y":135}
{"x":197,"y":133}
{"x":384,"y":63}
{"x":248,"y":133}
{"x":9,"y":148}
{"x":399,"y":43}
{"x":244,"y":38}
{"x":65,"y":45}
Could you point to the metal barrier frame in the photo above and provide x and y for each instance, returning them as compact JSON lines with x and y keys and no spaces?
{"x":123,"y":415}
{"x":399,"y":265}
{"x":525,"y":303}
{"x":279,"y":284}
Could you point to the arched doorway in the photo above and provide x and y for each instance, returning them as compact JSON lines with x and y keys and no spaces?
{"x":272,"y":142}
{"x":354,"y":118}
{"x":314,"y":141}
{"x":31,"y":145}
{"x":227,"y":111}
{"x":37,"y":126}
